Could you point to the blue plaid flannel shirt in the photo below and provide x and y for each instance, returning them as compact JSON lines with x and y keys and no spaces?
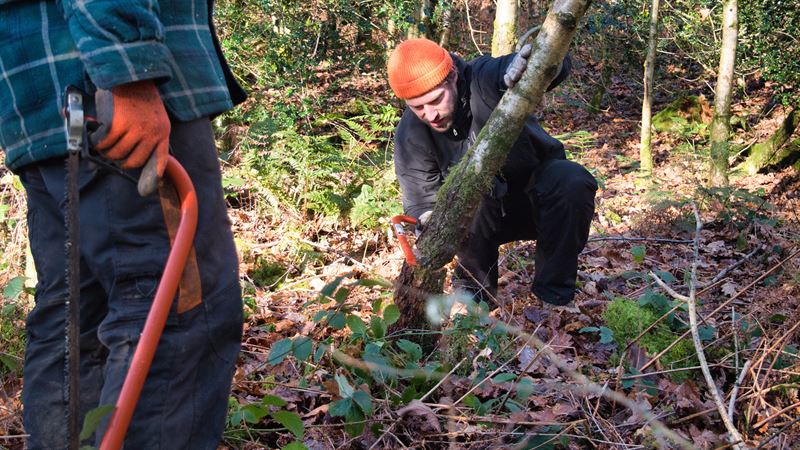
{"x":46,"y":45}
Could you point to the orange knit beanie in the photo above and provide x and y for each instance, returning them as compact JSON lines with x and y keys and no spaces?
{"x":417,"y":66}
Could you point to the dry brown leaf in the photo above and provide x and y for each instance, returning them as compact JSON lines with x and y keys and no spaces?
{"x":419,"y":409}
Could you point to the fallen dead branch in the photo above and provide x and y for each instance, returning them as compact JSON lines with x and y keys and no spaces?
{"x":735,"y":438}
{"x":724,"y":304}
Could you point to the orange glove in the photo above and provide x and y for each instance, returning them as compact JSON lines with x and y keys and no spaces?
{"x":138,"y":125}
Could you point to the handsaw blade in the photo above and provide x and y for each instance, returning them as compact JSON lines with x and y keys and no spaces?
{"x":76,"y":140}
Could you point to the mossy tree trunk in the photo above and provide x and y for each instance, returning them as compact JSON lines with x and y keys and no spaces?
{"x":645,"y":149}
{"x":770,"y":151}
{"x":472,"y":177}
{"x":504,"y":36}
{"x":721,"y":123}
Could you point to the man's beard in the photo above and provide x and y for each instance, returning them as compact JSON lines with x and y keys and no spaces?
{"x":443,"y":124}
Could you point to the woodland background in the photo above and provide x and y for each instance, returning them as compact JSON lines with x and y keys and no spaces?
{"x":308,"y":177}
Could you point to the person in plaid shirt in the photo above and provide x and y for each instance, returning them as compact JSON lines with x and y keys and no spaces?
{"x":162,"y":64}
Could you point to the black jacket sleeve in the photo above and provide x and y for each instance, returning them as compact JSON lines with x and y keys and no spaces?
{"x":417,"y":171}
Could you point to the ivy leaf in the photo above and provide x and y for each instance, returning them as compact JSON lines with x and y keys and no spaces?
{"x":291,"y":421}
{"x":93,"y":418}
{"x":391,"y":314}
{"x":525,"y":388}
{"x":279,"y":351}
{"x":320,"y":315}
{"x":341,"y":294}
{"x":367,"y":282}
{"x":296,"y":445}
{"x":319,"y":353}
{"x":665,"y":276}
{"x":657,"y":301}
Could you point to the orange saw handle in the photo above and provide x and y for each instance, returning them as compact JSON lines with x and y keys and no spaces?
{"x":157,"y":317}
{"x":400,"y":232}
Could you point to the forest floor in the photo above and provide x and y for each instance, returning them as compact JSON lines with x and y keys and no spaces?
{"x":748,"y":302}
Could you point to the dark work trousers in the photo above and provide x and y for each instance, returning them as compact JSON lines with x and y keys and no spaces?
{"x":556,"y":210}
{"x":124,"y":246}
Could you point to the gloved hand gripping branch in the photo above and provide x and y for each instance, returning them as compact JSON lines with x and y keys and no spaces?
{"x":134,"y":124}
{"x":517,"y":67}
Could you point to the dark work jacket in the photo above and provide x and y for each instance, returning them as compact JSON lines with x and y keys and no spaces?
{"x":423,"y":157}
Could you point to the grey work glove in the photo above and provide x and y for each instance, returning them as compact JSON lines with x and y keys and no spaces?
{"x":517,"y":67}
{"x":422,"y":222}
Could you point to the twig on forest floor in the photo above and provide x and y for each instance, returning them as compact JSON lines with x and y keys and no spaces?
{"x":584,"y":385}
{"x":777,"y":433}
{"x":735,"y":391}
{"x":639,"y":239}
{"x":523,"y":444}
{"x":329,"y":249}
{"x":772,"y":416}
{"x":735,"y":438}
{"x":421,"y":399}
{"x":493,"y":373}
{"x":723,"y":305}
{"x":730,"y":268}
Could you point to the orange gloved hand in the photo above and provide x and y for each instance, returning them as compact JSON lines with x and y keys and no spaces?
{"x":138,"y":125}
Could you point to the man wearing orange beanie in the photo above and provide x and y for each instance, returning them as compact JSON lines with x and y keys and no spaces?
{"x":537,"y":194}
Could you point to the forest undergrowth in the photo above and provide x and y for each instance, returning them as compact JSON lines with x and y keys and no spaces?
{"x":319,"y":369}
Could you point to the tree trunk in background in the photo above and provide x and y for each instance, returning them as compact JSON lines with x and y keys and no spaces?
{"x":770,"y":151}
{"x":645,"y":150}
{"x":721,"y":123}
{"x":504,"y":37}
{"x":390,"y":41}
{"x":472,"y":177}
{"x":447,"y":24}
{"x":421,"y":28}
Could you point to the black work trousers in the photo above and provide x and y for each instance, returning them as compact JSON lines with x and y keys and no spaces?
{"x":555,"y":209}
{"x":124,"y":244}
